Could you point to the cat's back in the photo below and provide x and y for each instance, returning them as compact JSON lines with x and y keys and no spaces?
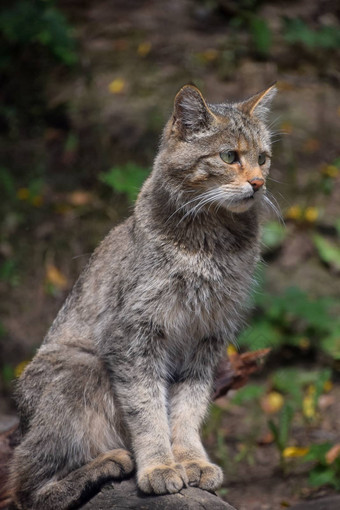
{"x":97,"y":289}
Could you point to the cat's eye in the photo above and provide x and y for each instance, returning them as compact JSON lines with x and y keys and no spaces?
{"x":229,"y":157}
{"x":262,"y":158}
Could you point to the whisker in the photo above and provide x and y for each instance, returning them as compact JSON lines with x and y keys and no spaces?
{"x":275,"y":209}
{"x":274,"y":121}
{"x":275,"y":180}
{"x":275,"y":199}
{"x":205,"y":198}
{"x":184,"y":205}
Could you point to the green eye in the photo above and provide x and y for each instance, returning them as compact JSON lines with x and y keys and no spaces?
{"x":262,"y":158}
{"x":229,"y":157}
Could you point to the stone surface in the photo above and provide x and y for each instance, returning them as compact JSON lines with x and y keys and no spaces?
{"x":125,"y":495}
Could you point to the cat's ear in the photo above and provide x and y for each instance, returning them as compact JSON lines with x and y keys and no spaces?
{"x":260,"y":103}
{"x":191,"y":113}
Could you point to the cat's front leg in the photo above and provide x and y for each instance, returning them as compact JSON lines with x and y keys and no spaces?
{"x":141,"y":391}
{"x":189,"y":403}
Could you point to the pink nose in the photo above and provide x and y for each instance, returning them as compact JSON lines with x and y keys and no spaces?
{"x":256,"y":183}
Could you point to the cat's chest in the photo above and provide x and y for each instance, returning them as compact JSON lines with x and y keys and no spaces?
{"x":201,"y":295}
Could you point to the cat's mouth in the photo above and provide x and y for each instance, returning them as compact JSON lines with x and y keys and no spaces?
{"x":242,"y":204}
{"x":249,"y":197}
{"x":244,"y":200}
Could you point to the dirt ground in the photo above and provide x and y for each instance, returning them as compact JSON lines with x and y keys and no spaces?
{"x":257,"y":483}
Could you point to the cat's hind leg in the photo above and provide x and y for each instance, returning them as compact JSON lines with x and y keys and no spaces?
{"x":79,"y":484}
{"x":73,"y":435}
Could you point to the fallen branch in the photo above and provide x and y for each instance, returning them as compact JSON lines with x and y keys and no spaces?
{"x":233,"y":372}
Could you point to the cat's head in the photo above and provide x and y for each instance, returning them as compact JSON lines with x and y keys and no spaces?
{"x":217,"y":154}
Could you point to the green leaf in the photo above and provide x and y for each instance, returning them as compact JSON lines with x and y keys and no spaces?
{"x":7,"y":183}
{"x":126,"y":179}
{"x":287,"y":381}
{"x":28,"y":23}
{"x":8,"y":373}
{"x":285,"y":420}
{"x":331,"y":344}
{"x":337,"y":226}
{"x":321,"y":475}
{"x":317,"y":452}
{"x":275,"y":431}
{"x":328,"y":252}
{"x":248,"y":393}
{"x":292,"y":381}
{"x":261,"y":34}
{"x":281,"y":430}
{"x":9,"y":272}
{"x":323,"y":377}
{"x":273,"y":234}
{"x":260,"y":335}
{"x":296,"y":31}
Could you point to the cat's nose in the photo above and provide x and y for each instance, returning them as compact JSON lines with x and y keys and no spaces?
{"x":256,"y":183}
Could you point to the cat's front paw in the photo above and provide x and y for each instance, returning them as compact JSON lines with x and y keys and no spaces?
{"x":162,"y":479}
{"x":203,"y":474}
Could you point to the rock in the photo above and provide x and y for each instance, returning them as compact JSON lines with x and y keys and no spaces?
{"x":125,"y":495}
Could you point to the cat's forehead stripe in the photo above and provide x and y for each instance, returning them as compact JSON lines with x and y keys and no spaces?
{"x":245,"y":137}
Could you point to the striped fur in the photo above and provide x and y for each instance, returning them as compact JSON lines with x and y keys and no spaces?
{"x":125,"y":373}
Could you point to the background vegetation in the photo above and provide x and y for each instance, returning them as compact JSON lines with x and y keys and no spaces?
{"x":85,"y":89}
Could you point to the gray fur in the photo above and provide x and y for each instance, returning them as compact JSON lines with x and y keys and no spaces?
{"x":128,"y":363}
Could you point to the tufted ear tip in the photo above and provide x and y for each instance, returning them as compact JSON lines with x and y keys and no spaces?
{"x":259,"y":103}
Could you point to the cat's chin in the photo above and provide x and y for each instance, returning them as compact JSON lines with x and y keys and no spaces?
{"x":241,"y":206}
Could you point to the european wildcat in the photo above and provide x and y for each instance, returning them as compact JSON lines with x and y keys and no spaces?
{"x":126,"y":370}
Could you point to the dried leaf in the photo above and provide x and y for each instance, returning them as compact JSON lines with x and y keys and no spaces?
{"x":210,"y":55}
{"x":144,"y":48}
{"x":117,"y":86}
{"x":294,"y":212}
{"x":79,"y":197}
{"x":327,"y":387}
{"x":308,"y":403}
{"x":268,"y":438}
{"x":55,"y":277}
{"x":311,"y":214}
{"x":231,"y":349}
{"x":234,"y":372}
{"x":272,"y":402}
{"x":330,"y":170}
{"x":311,"y":145}
{"x":37,"y":201}
{"x":23,"y":193}
{"x":20,"y":368}
{"x":333,"y":453}
{"x":294,"y":451}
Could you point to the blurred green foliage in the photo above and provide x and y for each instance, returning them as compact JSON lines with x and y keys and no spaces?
{"x":296,"y":392}
{"x":293,"y":318}
{"x":324,"y":472}
{"x":296,"y":31}
{"x":328,"y":251}
{"x":34,"y":38}
{"x":35,"y":23}
{"x":36,"y":42}
{"x":126,"y":179}
{"x":281,"y":428}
